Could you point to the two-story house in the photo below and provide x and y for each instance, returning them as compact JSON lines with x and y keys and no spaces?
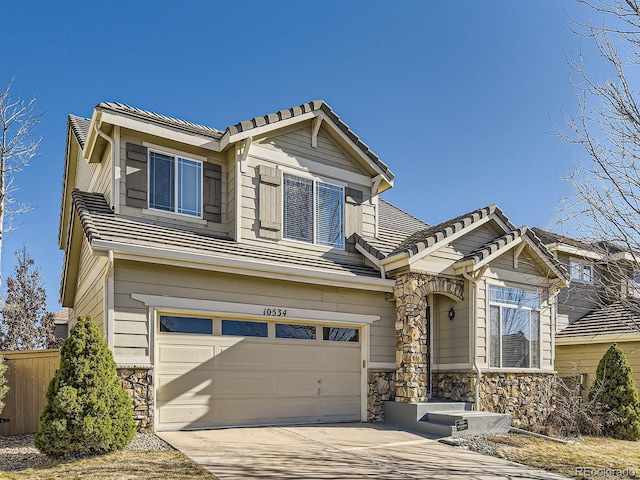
{"x":600,"y":307}
{"x":253,"y":275}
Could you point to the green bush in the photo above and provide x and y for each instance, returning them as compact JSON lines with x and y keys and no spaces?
{"x":616,"y":390}
{"x":87,"y":411}
{"x":4,"y":388}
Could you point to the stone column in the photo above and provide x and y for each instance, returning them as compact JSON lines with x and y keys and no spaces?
{"x":411,"y":342}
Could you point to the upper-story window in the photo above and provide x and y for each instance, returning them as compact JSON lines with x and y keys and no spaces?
{"x":313,"y":211}
{"x":175,"y":184}
{"x":581,"y":270}
{"x":514,"y":328}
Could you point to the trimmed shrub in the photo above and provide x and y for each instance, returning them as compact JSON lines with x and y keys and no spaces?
{"x":615,"y":389}
{"x":87,"y":411}
{"x":4,"y":388}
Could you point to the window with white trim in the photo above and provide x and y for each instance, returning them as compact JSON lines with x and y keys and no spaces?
{"x":175,"y":184}
{"x":313,"y":211}
{"x":514,"y":328}
{"x":581,"y":271}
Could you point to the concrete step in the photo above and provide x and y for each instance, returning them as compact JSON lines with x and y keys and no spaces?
{"x":445,"y":419}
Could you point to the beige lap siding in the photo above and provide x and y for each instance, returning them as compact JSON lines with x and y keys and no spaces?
{"x":202,"y":285}
{"x":89,"y":299}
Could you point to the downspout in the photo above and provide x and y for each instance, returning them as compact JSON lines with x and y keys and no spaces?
{"x":113,"y":158}
{"x":474,"y":282}
{"x":108,"y":304}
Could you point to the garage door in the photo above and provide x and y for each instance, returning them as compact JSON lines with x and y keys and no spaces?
{"x":217,"y":372}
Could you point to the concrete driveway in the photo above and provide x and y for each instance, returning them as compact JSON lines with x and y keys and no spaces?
{"x":339,"y":451}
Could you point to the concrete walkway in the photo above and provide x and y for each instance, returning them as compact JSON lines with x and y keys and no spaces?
{"x":339,"y":451}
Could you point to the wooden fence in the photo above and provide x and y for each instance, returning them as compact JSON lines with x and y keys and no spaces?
{"x":28,"y":377}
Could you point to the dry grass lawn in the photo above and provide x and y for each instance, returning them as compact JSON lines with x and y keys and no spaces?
{"x":589,"y":458}
{"x":118,"y":466}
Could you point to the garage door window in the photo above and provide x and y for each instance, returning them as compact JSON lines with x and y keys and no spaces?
{"x":242,"y":328}
{"x":303,"y":332}
{"x":335,"y":334}
{"x":203,"y":326}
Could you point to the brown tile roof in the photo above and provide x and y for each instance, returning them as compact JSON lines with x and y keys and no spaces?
{"x":428,"y":237}
{"x":175,"y":123}
{"x":620,"y":317}
{"x":394,"y":226}
{"x":100,"y":223}
{"x":246,"y":125}
{"x":601,"y":246}
{"x":80,"y":127}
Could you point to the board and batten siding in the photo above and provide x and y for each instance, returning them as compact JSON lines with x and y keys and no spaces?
{"x":179,"y":282}
{"x":89,"y":298}
{"x":583,"y":358}
{"x":166,"y":218}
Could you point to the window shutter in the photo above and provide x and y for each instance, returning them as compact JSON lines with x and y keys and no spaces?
{"x":353,"y":213}
{"x":136,"y":175}
{"x":212,"y":192}
{"x":270,"y":202}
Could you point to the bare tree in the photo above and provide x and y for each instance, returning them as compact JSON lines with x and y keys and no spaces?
{"x":18,"y":145}
{"x":605,"y":207}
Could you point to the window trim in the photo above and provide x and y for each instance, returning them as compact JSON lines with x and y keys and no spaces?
{"x":581,"y":263}
{"x":314,"y":182}
{"x":511,"y":305}
{"x":176,"y":156}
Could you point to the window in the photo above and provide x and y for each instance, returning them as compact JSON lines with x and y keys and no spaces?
{"x":304,"y":332}
{"x":313,"y":212}
{"x":241,"y":328}
{"x":175,"y":184}
{"x":514,"y":328}
{"x":203,"y":326}
{"x":335,"y":334}
{"x":581,"y":271}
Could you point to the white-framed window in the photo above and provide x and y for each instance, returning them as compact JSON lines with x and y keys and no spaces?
{"x":514,"y":328}
{"x":313,"y":211}
{"x":175,"y":184}
{"x":581,"y":270}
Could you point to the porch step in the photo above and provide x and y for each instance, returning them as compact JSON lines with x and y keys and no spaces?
{"x":445,"y":419}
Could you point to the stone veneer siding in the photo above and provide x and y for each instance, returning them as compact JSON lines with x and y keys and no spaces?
{"x":527,"y":396}
{"x":137,"y":381}
{"x":381,"y":387}
{"x":410,"y":292}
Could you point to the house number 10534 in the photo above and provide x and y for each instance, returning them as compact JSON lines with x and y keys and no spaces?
{"x":275,"y":312}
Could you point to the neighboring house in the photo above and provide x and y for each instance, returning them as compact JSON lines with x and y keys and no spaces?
{"x":253,"y":275}
{"x":599,"y":308}
{"x":61,"y":323}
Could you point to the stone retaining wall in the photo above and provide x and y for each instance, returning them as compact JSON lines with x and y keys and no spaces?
{"x":137,"y":381}
{"x":381,"y":387}
{"x":527,"y":396}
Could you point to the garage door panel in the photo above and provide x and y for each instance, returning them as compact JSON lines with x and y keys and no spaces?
{"x":300,"y":356}
{"x":296,"y":383}
{"x":296,"y":410}
{"x":182,"y":414}
{"x":171,"y":388}
{"x":180,"y":354}
{"x":247,"y":354}
{"x":337,"y":358}
{"x":233,"y":384}
{"x":338,"y":383}
{"x":239,"y":412}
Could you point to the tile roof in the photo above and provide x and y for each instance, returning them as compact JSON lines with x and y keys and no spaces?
{"x":622,"y":317}
{"x":428,"y":237}
{"x":601,"y":246}
{"x":100,"y":223}
{"x":176,"y":123}
{"x":246,"y":125}
{"x":394,"y":226}
{"x":80,"y":127}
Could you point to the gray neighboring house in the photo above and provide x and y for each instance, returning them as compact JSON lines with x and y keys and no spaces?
{"x":253,"y":275}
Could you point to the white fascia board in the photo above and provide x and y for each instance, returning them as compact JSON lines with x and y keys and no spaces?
{"x":147,"y":126}
{"x":269,"y":127}
{"x":594,"y":339}
{"x":454,"y":236}
{"x":242,"y":266}
{"x":396,"y":261}
{"x":167,"y":303}
{"x":371,"y":258}
{"x":578,"y":252}
{"x":627,"y":257}
{"x":90,"y":141}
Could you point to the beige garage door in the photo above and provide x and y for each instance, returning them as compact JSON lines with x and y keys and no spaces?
{"x":215,"y":372}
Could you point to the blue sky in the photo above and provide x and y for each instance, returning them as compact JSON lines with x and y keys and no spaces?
{"x":458,"y":98}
